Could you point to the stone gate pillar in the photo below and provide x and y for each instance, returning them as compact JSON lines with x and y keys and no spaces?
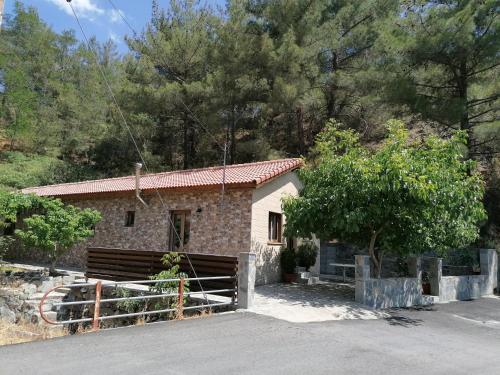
{"x":362,"y":274}
{"x":488,"y":260}
{"x":246,"y":280}
{"x":435,"y":274}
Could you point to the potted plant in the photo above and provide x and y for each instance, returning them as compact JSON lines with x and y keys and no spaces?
{"x":307,"y":253}
{"x":288,"y":263}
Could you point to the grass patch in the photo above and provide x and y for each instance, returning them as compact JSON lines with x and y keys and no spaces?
{"x":6,"y":268}
{"x":16,"y":333}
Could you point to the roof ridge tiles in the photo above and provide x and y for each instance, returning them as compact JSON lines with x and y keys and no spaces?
{"x":245,"y":173}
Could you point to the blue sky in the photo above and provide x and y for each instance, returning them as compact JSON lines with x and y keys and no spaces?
{"x":98,"y":17}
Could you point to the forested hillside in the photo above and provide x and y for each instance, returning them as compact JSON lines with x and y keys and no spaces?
{"x":262,"y":77}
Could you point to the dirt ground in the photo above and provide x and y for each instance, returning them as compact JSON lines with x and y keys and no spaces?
{"x":15,"y":333}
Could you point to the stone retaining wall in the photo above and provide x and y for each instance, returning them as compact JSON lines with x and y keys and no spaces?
{"x":452,"y":288}
{"x":389,"y":292}
{"x":405,"y":292}
{"x":21,"y":292}
{"x":393,"y":292}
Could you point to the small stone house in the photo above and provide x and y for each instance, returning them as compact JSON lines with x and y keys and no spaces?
{"x":139,"y":212}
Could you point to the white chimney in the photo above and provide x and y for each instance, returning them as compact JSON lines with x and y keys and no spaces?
{"x":138,"y":167}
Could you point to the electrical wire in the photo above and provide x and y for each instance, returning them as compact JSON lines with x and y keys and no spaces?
{"x":193,"y":115}
{"x":110,"y":90}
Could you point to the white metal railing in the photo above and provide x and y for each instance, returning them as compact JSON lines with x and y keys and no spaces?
{"x":98,"y":301}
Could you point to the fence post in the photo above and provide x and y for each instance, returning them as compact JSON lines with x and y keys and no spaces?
{"x":488,"y":261}
{"x":435,"y":275}
{"x":97,"y":306}
{"x":180,"y":301}
{"x":246,"y":280}
{"x":362,"y":275}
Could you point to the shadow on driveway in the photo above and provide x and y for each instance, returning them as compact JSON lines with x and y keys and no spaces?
{"x":300,"y":303}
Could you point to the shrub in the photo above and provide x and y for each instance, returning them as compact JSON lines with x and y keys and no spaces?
{"x":6,"y":243}
{"x":288,"y":260}
{"x":171,"y":261}
{"x":306,"y":254}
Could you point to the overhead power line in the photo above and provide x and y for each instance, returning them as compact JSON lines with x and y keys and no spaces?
{"x":124,"y":121}
{"x":224,"y":148}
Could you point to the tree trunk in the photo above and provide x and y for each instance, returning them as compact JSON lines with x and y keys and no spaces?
{"x":185,"y":143}
{"x":375,"y":256}
{"x":232,"y":144}
{"x":300,"y":130}
{"x":463,"y":92}
{"x":53,"y":261}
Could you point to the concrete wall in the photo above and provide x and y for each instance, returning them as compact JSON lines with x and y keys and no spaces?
{"x":393,"y":292}
{"x":452,"y":288}
{"x":267,"y":199}
{"x":389,"y":292}
{"x":405,"y":292}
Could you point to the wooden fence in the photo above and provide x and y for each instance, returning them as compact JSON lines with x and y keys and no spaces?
{"x":122,"y":264}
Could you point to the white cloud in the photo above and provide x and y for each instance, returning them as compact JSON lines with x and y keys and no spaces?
{"x":83,"y":8}
{"x":115,"y":38}
{"x":115,"y":16}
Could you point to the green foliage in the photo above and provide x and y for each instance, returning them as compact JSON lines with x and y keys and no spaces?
{"x":6,"y":243}
{"x":265,"y":76}
{"x":57,"y":227}
{"x":288,"y":260}
{"x":171,"y":262}
{"x":11,"y":204}
{"x":403,"y":198}
{"x":306,"y":254}
{"x":130,"y":306}
{"x":441,"y":60}
{"x":18,"y":170}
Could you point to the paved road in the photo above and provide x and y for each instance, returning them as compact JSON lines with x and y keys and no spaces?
{"x":458,"y":338}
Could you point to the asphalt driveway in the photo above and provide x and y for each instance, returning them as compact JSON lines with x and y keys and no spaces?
{"x":299,"y":303}
{"x":457,"y":338}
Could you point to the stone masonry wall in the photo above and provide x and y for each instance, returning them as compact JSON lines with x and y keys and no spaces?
{"x":212,"y":231}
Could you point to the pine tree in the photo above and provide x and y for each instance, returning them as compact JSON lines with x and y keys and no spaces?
{"x":444,"y":59}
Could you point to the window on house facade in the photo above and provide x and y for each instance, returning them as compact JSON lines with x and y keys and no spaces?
{"x":275,"y":221}
{"x":182,"y":223}
{"x":130,"y":219}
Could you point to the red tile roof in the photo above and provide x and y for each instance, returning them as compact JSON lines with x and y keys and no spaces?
{"x":248,"y":175}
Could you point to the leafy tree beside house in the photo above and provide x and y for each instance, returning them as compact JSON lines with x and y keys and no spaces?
{"x":58,"y":228}
{"x":406,"y":197}
{"x":53,"y":227}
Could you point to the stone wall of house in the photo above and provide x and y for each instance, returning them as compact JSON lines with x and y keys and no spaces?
{"x":268,"y":198}
{"x":213,"y":230}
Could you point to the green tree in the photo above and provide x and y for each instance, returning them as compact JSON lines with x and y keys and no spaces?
{"x":169,"y":70}
{"x":239,"y":88}
{"x":10,"y":205}
{"x":171,"y":261}
{"x":441,"y":59}
{"x":403,"y":198}
{"x":57,"y":228}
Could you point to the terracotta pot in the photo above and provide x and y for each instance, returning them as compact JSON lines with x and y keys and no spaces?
{"x":289,"y":277}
